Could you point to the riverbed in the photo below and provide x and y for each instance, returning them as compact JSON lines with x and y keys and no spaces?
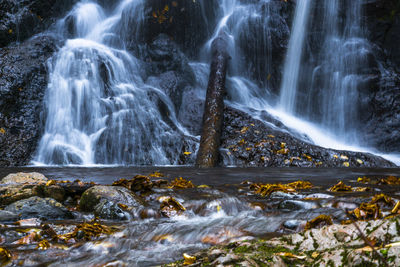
{"x":221,"y":208}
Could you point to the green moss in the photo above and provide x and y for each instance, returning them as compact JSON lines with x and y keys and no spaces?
{"x":398,"y":227}
{"x":273,"y":249}
{"x":330,"y":263}
{"x":345,"y":257}
{"x":315,"y":243}
{"x":242,"y":249}
{"x":366,"y":264}
{"x":287,"y":239}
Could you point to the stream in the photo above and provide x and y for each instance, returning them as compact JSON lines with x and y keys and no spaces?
{"x":223,"y":211}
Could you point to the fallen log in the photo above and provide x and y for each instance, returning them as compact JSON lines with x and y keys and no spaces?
{"x":213,"y":116}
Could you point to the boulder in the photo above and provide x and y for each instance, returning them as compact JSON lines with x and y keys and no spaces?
{"x":106,"y":201}
{"x":17,"y":186}
{"x":12,"y":193}
{"x":43,"y":208}
{"x":24,"y":178}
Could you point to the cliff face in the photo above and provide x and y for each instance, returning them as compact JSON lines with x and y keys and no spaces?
{"x":382,"y":124}
{"x":26,"y":45}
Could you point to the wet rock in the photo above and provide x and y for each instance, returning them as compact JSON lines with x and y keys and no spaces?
{"x":251,"y":142}
{"x":292,"y":224}
{"x":19,"y":186}
{"x":106,"y":209}
{"x":93,"y":200}
{"x":258,"y":35}
{"x":319,"y":196}
{"x":22,"y":178}
{"x":188,"y":23}
{"x":43,"y":208}
{"x":20,"y":20}
{"x":12,"y":193}
{"x":54,"y":191}
{"x":163,"y":55}
{"x":8,"y":216}
{"x":23,"y":81}
{"x":191,"y":111}
{"x":225,"y":260}
{"x":280,"y":194}
{"x":297,"y":205}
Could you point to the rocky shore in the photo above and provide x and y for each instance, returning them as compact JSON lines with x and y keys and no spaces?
{"x":296,"y":223}
{"x":334,"y":245}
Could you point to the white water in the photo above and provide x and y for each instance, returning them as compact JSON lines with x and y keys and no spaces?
{"x":293,"y":57}
{"x":99,"y":111}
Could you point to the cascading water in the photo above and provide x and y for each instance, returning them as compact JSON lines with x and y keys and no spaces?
{"x":326,"y":90}
{"x":99,"y":110}
{"x":293,"y":57}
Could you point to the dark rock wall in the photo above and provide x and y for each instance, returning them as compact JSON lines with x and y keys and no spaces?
{"x":21,"y":19}
{"x":23,"y":80}
{"x":382,"y":123}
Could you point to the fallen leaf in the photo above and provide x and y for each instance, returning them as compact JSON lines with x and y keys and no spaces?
{"x":188,"y":260}
{"x":290,"y":255}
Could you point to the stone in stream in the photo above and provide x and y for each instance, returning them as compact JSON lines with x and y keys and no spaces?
{"x":43,"y":208}
{"x":22,"y":178}
{"x":8,"y":216}
{"x":107,"y":201}
{"x":17,"y":186}
{"x":297,"y":205}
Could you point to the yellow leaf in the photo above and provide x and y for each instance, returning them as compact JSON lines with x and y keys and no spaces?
{"x":10,"y":31}
{"x":283,"y":151}
{"x":344,"y":157}
{"x":346,"y":164}
{"x":271,"y":136}
{"x":244,"y":130}
{"x":2,"y":131}
{"x":166,"y":8}
{"x":396,"y":208}
{"x":187,"y":153}
{"x":51,"y":182}
{"x":396,"y":244}
{"x":290,"y":255}
{"x":360,"y":161}
{"x":203,"y":186}
{"x":335,"y":156}
{"x":283,"y":145}
{"x":188,"y":259}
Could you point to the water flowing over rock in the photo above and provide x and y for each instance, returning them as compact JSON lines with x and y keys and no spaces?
{"x":125,"y":80}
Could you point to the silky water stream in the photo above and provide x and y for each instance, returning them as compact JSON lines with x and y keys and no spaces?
{"x":226,"y":210}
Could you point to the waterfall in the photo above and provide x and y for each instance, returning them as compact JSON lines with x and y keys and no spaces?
{"x":294,"y":55}
{"x":98,"y":109}
{"x":323,"y":87}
